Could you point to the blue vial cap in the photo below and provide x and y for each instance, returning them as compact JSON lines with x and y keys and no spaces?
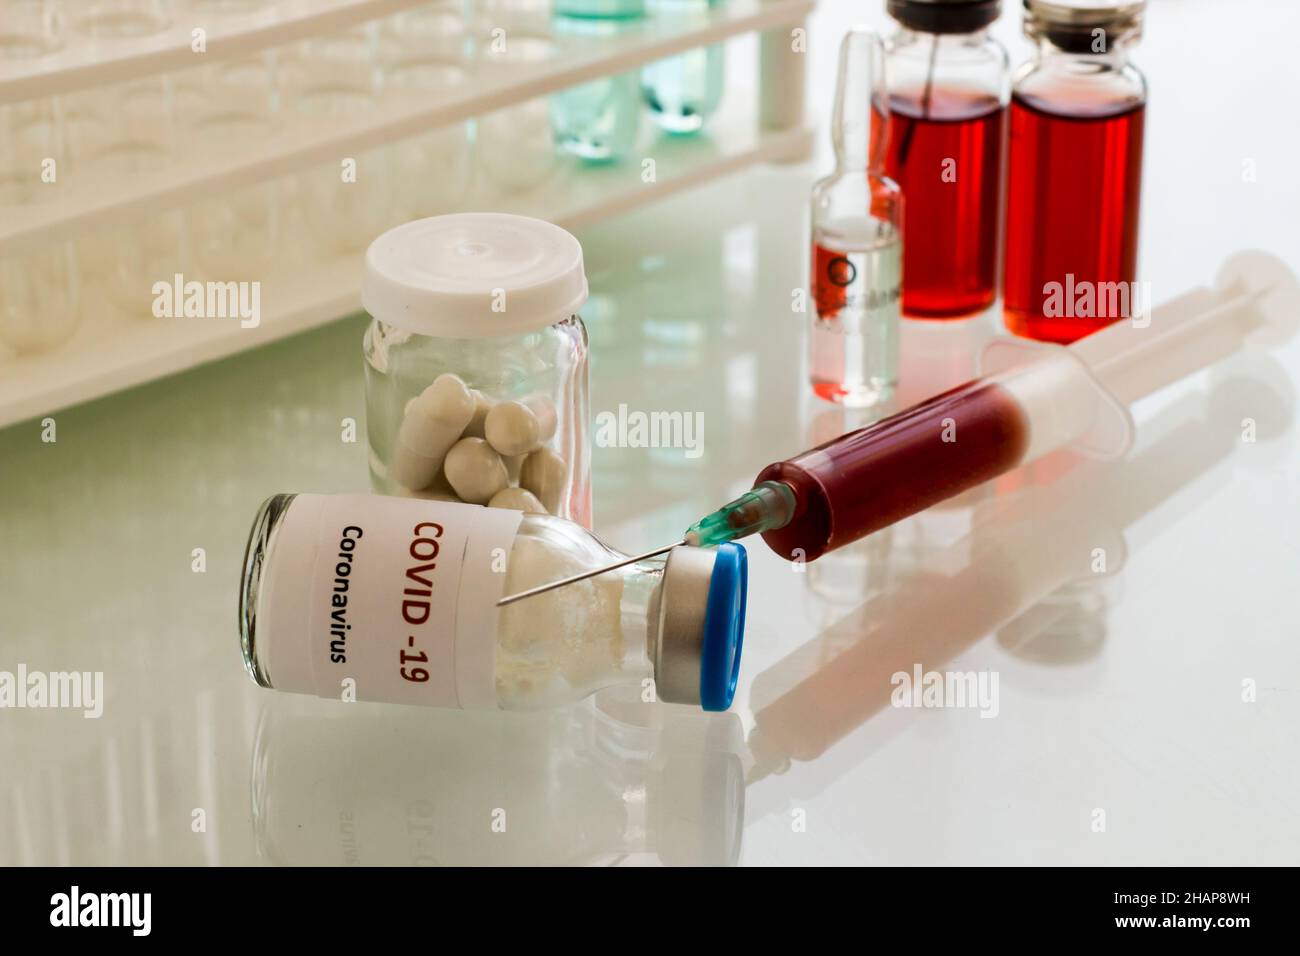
{"x":724,"y":627}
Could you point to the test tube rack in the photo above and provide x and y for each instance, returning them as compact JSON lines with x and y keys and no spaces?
{"x":111,"y":350}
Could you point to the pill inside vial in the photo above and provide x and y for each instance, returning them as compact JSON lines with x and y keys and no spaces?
{"x":475,"y":471}
{"x":517,"y":499}
{"x":544,"y":409}
{"x":544,"y":473}
{"x":482,"y":405}
{"x":433,"y":423}
{"x":512,"y":428}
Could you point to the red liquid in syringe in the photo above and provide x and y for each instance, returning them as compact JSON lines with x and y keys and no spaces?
{"x":1073,"y":188}
{"x":946,"y":155}
{"x":861,"y":482}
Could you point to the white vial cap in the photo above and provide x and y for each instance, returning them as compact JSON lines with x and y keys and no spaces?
{"x":472,"y":275}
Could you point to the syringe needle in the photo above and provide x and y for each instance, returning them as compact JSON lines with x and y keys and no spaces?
{"x":543,"y":588}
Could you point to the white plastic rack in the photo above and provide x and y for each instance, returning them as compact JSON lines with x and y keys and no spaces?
{"x":113,"y":351}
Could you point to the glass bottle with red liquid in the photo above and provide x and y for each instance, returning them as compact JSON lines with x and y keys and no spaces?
{"x":1074,"y":171}
{"x":857,"y":243}
{"x":947,"y":108}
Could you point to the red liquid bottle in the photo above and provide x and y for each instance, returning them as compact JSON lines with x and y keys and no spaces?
{"x":948,"y":82}
{"x":1074,"y":175}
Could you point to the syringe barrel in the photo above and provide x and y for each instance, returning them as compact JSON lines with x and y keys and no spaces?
{"x":870,"y":478}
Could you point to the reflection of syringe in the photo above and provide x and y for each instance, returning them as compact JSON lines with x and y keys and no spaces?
{"x":1033,"y":398}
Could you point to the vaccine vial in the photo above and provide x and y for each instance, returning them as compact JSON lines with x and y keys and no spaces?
{"x":857,"y":243}
{"x":393,"y":599}
{"x":1074,"y":172}
{"x":947,"y":106}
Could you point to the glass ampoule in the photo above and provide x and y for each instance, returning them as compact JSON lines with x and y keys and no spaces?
{"x":857,"y":241}
{"x":947,"y":101}
{"x":1074,"y":172}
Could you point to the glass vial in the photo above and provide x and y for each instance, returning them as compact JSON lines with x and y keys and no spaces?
{"x":1074,"y":172}
{"x":476,"y":363}
{"x":947,"y":103}
{"x":394,"y":599}
{"x":857,"y":242}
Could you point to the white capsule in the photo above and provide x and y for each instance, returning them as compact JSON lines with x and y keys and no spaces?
{"x":545,"y":474}
{"x":517,"y":499}
{"x":544,"y":409}
{"x":482,"y":405}
{"x":512,"y":428}
{"x":433,"y":422}
{"x":475,"y":471}
{"x":514,"y":464}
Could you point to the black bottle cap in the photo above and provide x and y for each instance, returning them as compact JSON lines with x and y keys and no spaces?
{"x":944,"y":16}
{"x":1076,"y":26}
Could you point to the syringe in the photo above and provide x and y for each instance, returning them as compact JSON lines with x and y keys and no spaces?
{"x":1031,"y":399}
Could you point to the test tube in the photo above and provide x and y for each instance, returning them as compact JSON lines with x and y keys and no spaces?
{"x":110,"y":19}
{"x":424,"y":53}
{"x":514,"y":146}
{"x":29,"y":28}
{"x":346,"y":201}
{"x":683,"y":91}
{"x":39,"y":287}
{"x":597,"y":121}
{"x":129,"y":133}
{"x":232,"y":102}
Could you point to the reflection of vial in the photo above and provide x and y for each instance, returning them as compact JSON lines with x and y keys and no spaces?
{"x":947,"y":84}
{"x":857,"y":244}
{"x":1075,"y":158}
